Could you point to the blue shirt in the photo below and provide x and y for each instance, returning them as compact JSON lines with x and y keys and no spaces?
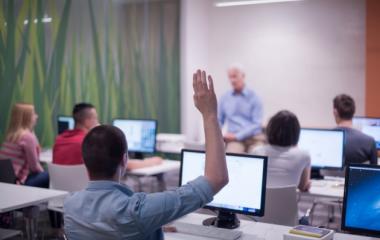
{"x":109,"y":210}
{"x":243,"y":113}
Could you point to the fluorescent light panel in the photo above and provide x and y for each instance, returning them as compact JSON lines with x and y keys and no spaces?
{"x":241,"y":3}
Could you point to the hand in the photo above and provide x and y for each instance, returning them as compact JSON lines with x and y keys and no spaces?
{"x":204,"y":96}
{"x":169,"y":229}
{"x":154,"y":161}
{"x":229,"y":137}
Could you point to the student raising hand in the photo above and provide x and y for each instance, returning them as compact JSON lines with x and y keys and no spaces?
{"x":204,"y":95}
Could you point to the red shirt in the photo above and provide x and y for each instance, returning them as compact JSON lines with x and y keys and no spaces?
{"x":67,"y":149}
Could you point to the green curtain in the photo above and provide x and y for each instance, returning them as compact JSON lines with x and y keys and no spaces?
{"x":122,"y":56}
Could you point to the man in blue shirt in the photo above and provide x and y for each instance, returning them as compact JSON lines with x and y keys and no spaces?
{"x":107,"y":209}
{"x":242,"y":111}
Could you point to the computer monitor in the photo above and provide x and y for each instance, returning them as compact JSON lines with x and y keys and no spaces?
{"x":245,"y":192}
{"x":140,"y":133}
{"x":65,"y":123}
{"x":361,"y":202}
{"x":325,"y":146}
{"x":369,"y":126}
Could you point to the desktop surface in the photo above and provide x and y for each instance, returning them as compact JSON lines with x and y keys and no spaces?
{"x":141,"y":134}
{"x":361,"y":204}
{"x":326,"y":147}
{"x":245,"y":192}
{"x":369,"y":126}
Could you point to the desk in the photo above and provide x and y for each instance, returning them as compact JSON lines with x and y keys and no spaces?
{"x":15,"y":197}
{"x":46,"y":156}
{"x":260,"y":230}
{"x":328,"y":188}
{"x":155,"y":171}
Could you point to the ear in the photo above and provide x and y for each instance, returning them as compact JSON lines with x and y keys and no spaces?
{"x":125,"y":160}
{"x":336,"y":113}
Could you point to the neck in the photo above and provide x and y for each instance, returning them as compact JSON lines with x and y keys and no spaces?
{"x":80,"y":127}
{"x":345,"y":123}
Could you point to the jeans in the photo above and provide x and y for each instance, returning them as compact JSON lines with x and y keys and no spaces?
{"x":38,"y":180}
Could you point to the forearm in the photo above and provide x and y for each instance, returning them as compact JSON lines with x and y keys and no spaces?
{"x":216,"y":168}
{"x":248,"y":131}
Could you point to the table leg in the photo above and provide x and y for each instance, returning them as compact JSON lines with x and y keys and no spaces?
{"x":31,"y":215}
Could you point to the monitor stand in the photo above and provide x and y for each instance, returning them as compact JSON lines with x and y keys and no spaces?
{"x":316,"y":173}
{"x":224,"y":219}
{"x":136,"y":155}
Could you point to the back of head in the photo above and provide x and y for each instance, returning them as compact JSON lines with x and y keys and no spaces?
{"x":80,"y":112}
{"x":283,"y":129}
{"x":103,"y":151}
{"x":344,"y":106}
{"x":21,"y":120}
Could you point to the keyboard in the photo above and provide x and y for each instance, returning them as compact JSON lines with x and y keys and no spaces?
{"x":208,"y":232}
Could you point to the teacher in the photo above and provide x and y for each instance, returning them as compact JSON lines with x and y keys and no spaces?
{"x":242,"y":111}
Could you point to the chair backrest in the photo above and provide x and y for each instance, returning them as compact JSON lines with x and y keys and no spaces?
{"x":7,"y":173}
{"x":281,"y":206}
{"x":69,"y":178}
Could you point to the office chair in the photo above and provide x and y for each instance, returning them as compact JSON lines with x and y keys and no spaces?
{"x":7,"y":173}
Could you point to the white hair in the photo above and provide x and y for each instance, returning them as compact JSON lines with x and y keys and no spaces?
{"x":237,"y":66}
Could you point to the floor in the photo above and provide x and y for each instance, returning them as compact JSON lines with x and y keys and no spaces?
{"x":321,"y":217}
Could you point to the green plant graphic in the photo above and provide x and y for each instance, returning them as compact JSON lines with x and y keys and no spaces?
{"x":123,"y":57}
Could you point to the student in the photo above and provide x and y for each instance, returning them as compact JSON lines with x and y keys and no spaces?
{"x":242,"y":111}
{"x":67,"y":148}
{"x":22,"y":147}
{"x":287,"y":164}
{"x":110,"y":210}
{"x":359,"y":147}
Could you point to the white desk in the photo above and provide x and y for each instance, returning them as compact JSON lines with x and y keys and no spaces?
{"x":17,"y":196}
{"x":157,"y":171}
{"x":260,"y":230}
{"x":46,"y":156}
{"x":329,"y":188}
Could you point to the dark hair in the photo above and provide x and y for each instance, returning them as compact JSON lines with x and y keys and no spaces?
{"x":345,"y":106}
{"x":103,"y":149}
{"x":283,"y":129}
{"x":80,"y":111}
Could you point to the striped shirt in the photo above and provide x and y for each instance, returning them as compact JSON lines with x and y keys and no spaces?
{"x":24,"y":155}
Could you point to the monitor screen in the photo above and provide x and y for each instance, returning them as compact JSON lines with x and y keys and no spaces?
{"x":361,"y":203}
{"x":245,"y":192}
{"x":65,"y":123}
{"x":369,"y":126}
{"x":141,"y":134}
{"x":326,"y":147}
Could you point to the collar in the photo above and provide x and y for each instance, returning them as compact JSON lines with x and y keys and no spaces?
{"x":108,"y":185}
{"x":244,"y":92}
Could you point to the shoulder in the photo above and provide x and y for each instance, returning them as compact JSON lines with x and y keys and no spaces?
{"x":261,"y":150}
{"x":300,"y":154}
{"x":355,"y":134}
{"x":28,"y":137}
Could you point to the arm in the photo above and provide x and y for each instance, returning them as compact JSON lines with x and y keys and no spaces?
{"x":305,"y":182}
{"x":30,"y":146}
{"x":373,"y":157}
{"x":255,"y":127}
{"x":148,"y":162}
{"x":205,"y":100}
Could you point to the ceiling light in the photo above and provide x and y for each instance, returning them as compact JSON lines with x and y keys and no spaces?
{"x":241,"y":3}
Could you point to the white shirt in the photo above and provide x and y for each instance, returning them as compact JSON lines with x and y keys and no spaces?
{"x":285,"y":164}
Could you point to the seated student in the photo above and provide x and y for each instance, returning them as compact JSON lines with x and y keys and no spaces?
{"x":110,"y":210}
{"x":67,"y":148}
{"x":287,"y":164}
{"x":359,"y":147}
{"x":22,"y":147}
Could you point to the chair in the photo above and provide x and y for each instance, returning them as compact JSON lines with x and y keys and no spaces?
{"x":281,"y":206}
{"x":69,"y":178}
{"x":7,"y":173}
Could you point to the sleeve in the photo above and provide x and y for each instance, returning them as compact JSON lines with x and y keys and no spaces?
{"x":151,"y":211}
{"x":256,"y":117}
{"x":30,"y":146}
{"x":221,"y":113}
{"x":373,"y":156}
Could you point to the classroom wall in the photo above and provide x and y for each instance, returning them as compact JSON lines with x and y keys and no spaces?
{"x":297,"y":55}
{"x":373,"y":58}
{"x":120,"y":55}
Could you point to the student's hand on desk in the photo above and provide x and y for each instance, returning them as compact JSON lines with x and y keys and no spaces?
{"x":204,"y":95}
{"x":169,"y":229}
{"x":153,"y":161}
{"x":229,"y":137}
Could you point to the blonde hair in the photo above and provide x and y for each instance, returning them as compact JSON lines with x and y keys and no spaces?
{"x":21,"y":121}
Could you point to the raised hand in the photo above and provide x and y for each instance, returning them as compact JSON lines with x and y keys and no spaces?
{"x":204,"y":95}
